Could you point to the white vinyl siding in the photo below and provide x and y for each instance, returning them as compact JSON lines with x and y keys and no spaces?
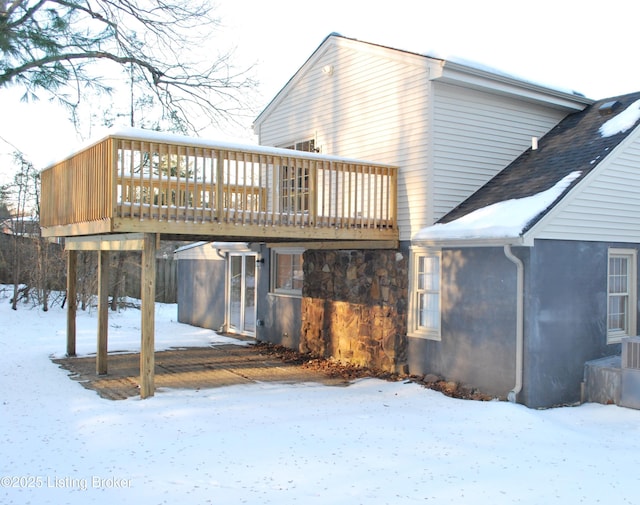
{"x":373,"y":107}
{"x":476,"y":135}
{"x":606,"y":206}
{"x":379,"y":104}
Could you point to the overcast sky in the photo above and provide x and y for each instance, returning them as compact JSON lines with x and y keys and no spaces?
{"x":589,"y":47}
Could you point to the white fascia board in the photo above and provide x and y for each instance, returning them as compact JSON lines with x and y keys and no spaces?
{"x":213,"y":251}
{"x":476,"y":78}
{"x":196,"y":251}
{"x":390,"y":53}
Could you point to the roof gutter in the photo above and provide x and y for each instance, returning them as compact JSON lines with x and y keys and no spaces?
{"x":512,"y":396}
{"x":522,"y":240}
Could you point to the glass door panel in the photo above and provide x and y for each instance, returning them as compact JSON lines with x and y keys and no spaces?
{"x":249,"y":309}
{"x":235,"y":293}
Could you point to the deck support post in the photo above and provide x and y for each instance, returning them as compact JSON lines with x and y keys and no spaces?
{"x":72,"y":268}
{"x":148,"y":296}
{"x":103,"y":312}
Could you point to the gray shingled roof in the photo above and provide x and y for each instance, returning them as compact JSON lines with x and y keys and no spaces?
{"x":575,"y":144}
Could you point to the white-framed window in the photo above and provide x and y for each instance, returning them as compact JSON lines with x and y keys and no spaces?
{"x":294,"y":189}
{"x":308,"y":146}
{"x":286,"y":271}
{"x":424,"y":290}
{"x":622,"y":291}
{"x":294,"y":181}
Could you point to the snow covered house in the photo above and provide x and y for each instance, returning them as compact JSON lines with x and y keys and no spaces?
{"x":450,"y":128}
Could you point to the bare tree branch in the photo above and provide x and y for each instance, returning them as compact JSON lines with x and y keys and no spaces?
{"x":56,"y":46}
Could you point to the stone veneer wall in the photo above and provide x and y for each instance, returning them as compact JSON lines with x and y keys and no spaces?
{"x":354,"y":306}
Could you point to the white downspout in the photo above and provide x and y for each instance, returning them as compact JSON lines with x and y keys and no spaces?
{"x":513,"y":394}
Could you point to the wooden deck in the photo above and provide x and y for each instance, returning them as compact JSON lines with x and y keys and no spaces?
{"x":192,"y":189}
{"x":132,"y":189}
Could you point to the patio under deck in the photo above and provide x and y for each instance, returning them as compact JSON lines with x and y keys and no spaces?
{"x":134,"y":188}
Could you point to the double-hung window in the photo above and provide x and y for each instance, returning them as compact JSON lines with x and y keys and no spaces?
{"x":424,"y":288}
{"x":286,"y":271}
{"x":621,"y":294}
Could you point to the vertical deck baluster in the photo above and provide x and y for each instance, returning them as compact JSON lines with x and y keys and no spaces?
{"x":313,"y":193}
{"x":340,"y":194}
{"x":290,"y":189}
{"x":297,"y":190}
{"x":376,"y":219}
{"x":347,"y":213}
{"x":367,"y":198}
{"x":274,"y":190}
{"x":192,"y":158}
{"x":199,"y":161}
{"x":210,"y":154}
{"x":119,"y":178}
{"x":250,"y":185}
{"x":261,"y":166}
{"x":177,"y":203}
{"x":130,"y":180}
{"x":159,"y":183}
{"x":245,"y":200}
{"x":190,"y":182}
{"x":144,"y":147}
{"x":320,"y":194}
{"x":218,"y":188}
{"x":227,"y":188}
{"x":185,"y":157}
{"x":393,"y":190}
{"x":224,"y":201}
{"x":112,"y":171}
{"x":230,"y":176}
{"x":276,"y":178}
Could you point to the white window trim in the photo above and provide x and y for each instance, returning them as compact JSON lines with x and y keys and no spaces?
{"x":296,"y":144}
{"x":413,"y":329}
{"x":294,"y":182}
{"x":296,"y":293}
{"x":615,"y":337}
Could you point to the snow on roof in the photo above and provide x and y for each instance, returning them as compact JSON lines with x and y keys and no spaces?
{"x":622,"y":121}
{"x":506,"y":219}
{"x":167,"y":137}
{"x":509,"y":75}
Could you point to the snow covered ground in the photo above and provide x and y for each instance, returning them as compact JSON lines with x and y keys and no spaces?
{"x":370,"y":443}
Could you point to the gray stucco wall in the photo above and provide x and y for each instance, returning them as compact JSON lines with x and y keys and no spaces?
{"x":478,"y":322}
{"x":278,"y":315}
{"x":201,"y":293}
{"x":565,"y":319}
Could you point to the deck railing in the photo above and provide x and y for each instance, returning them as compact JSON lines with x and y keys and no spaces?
{"x":178,"y":181}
